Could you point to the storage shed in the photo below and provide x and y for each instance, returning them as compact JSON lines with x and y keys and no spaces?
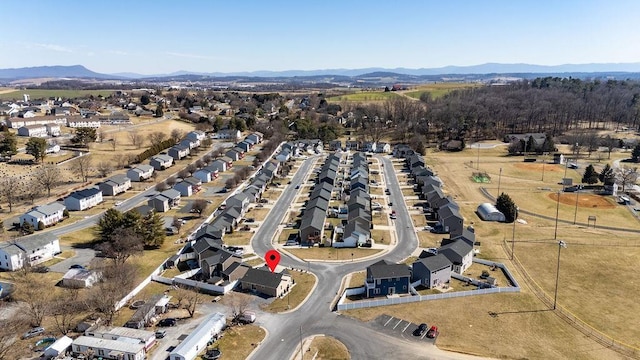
{"x":488,"y":212}
{"x":59,"y":347}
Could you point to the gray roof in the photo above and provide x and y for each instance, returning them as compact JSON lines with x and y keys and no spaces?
{"x":85,"y":193}
{"x":314,"y":218}
{"x":262,"y":277}
{"x":50,"y":209}
{"x":171,"y":193}
{"x":455,"y":250}
{"x":318,"y":202}
{"x":434,"y":263}
{"x":358,"y":225}
{"x":319,"y":192}
{"x":216,"y":321}
{"x":10,"y":249}
{"x":448,"y":211}
{"x":143,"y":167}
{"x":108,"y":344}
{"x":384,"y":269}
{"x":162,"y":158}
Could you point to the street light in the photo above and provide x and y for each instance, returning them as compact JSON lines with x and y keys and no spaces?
{"x":513,"y":237}
{"x":499,"y":178}
{"x":561,"y":244}
{"x":555,"y":233}
{"x":544,"y":160}
{"x":575,"y":214}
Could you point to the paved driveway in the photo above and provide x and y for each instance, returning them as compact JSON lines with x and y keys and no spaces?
{"x":400,"y":328}
{"x":83,"y":257}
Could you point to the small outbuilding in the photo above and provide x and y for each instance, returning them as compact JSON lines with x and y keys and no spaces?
{"x":59,"y":347}
{"x":488,"y":212}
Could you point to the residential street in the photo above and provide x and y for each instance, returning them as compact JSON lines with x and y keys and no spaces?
{"x":315,"y":315}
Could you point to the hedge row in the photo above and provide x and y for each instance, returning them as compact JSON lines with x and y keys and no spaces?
{"x":155,"y":150}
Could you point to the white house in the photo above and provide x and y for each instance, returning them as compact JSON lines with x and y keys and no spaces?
{"x":196,"y":135}
{"x":33,"y":131}
{"x":140,"y":172}
{"x":83,"y":199}
{"x":161,"y":162}
{"x":108,"y":349}
{"x":115,"y":185}
{"x":85,"y":123}
{"x":79,"y":278}
{"x":190,"y":143}
{"x":30,"y":250}
{"x":47,"y":214}
{"x":197,"y":341}
{"x":206,"y":174}
{"x":178,"y":151}
{"x":145,"y":337}
{"x":165,"y":200}
{"x":383,"y":148}
{"x":53,"y":129}
{"x":231,"y":134}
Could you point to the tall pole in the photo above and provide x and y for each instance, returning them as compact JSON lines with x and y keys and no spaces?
{"x":575,"y":214}
{"x":561,"y":244}
{"x":302,"y":352}
{"x":478,"y":159}
{"x":555,"y":233}
{"x":513,"y":237}
{"x":543,"y":161}
{"x":499,"y":179}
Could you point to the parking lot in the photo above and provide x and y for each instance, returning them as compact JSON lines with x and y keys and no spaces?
{"x":400,"y":328}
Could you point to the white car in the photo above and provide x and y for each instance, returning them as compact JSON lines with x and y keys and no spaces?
{"x":428,"y":228}
{"x":118,"y":203}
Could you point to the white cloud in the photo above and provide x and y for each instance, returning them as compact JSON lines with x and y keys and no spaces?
{"x":191,"y":56}
{"x":54,"y":47}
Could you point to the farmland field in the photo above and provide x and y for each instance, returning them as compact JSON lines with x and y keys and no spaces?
{"x":436,"y":90}
{"x":7,"y":94}
{"x":364,"y":96}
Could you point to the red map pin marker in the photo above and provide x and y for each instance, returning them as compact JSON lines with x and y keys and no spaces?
{"x":272,"y":257}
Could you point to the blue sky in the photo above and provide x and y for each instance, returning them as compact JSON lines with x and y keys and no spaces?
{"x":151,"y":37}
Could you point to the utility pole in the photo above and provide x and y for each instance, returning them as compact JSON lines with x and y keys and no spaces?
{"x":555,"y":233}
{"x":561,"y":244}
{"x":513,"y":238}
{"x":499,"y":179}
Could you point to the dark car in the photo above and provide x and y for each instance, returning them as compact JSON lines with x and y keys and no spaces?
{"x":167,"y":322}
{"x":420,"y":330}
{"x":433,"y":332}
{"x":250,"y":220}
{"x":76,"y":266}
{"x":386,"y":191}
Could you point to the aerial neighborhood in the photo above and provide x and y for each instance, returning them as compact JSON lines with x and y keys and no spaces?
{"x":188,"y":220}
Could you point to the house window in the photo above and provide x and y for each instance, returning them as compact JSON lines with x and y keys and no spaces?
{"x":377,"y":281}
{"x":100,"y":352}
{"x":376,"y":291}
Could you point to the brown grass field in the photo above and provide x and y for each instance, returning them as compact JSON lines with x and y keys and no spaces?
{"x":592,"y":282}
{"x":304,"y":284}
{"x":327,"y":348}
{"x":332,"y":254}
{"x":239,"y":341}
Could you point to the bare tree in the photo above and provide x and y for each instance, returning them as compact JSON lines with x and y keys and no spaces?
{"x":137,"y":140}
{"x":177,"y":223}
{"x":8,"y":337}
{"x":176,"y":135}
{"x":125,"y":243}
{"x":114,"y":143}
{"x":104,"y":168}
{"x":10,"y":190}
{"x":192,"y":168}
{"x":199,"y":164}
{"x":81,"y":166}
{"x":171,"y":181}
{"x":238,"y":302}
{"x":116,"y":282}
{"x":190,"y":297}
{"x":48,"y":176}
{"x":66,"y":308}
{"x":156,"y":137}
{"x":121,"y":160}
{"x":184,"y":173}
{"x":162,"y":186}
{"x":626,"y":176}
{"x":101,"y":135}
{"x":32,"y":290}
{"x":199,"y":206}
{"x":32,"y":190}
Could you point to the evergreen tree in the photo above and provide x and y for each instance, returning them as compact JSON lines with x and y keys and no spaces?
{"x":8,"y":144}
{"x":505,"y":205}
{"x":606,"y":175}
{"x":108,"y":223}
{"x":153,"y":230}
{"x":635,"y":155}
{"x":159,"y":112}
{"x":84,"y":135}
{"x":37,"y":147}
{"x":548,"y":145}
{"x":590,"y":175}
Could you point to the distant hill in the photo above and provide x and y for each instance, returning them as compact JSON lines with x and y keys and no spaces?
{"x":74,"y":71}
{"x":401,"y":74}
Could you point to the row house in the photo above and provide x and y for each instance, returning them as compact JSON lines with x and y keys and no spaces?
{"x":140,"y":172}
{"x":115,"y":185}
{"x":83,"y":199}
{"x":49,"y":214}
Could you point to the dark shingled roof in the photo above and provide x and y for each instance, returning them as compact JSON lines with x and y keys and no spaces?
{"x":263,"y":278}
{"x":384,"y":269}
{"x":434,"y":263}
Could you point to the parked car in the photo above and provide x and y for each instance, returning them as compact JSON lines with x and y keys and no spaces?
{"x":161,"y":333}
{"x":76,"y":266}
{"x":291,"y":243}
{"x":33,"y":332}
{"x":433,"y":332}
{"x":118,"y":203}
{"x":386,"y":191}
{"x":250,"y":220}
{"x":167,"y":322}
{"x":393,"y":215}
{"x":297,"y":187}
{"x":428,"y":228}
{"x":420,"y":330}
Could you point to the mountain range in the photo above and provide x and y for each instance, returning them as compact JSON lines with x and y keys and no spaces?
{"x":79,"y":71}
